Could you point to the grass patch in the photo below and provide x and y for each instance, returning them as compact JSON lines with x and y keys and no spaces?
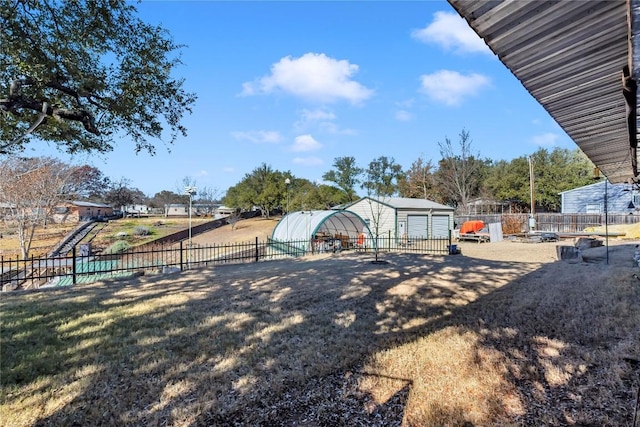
{"x":138,"y":231}
{"x":446,"y":341}
{"x":117,"y":247}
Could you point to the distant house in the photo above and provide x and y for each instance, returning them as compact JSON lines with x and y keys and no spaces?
{"x":223,"y":210}
{"x":405,"y":217}
{"x":621,"y":198}
{"x":6,"y":210}
{"x":176,"y":209}
{"x":80,"y":211}
{"x":136,"y":210}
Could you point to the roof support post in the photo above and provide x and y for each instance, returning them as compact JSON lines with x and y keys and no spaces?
{"x":630,"y":92}
{"x":629,"y":81}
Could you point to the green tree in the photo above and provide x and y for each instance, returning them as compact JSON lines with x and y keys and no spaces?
{"x":263,"y":188}
{"x":346,"y":175}
{"x":76,"y":73}
{"x":307,"y":195}
{"x":382,"y":177}
{"x":509,"y":180}
{"x":554,"y":172}
{"x":557,"y":171}
{"x":329,"y":196}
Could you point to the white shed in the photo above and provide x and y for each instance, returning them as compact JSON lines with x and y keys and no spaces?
{"x":403,"y":217}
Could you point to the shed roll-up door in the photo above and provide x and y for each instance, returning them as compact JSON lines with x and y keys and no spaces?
{"x":440,"y":226}
{"x":417,"y":226}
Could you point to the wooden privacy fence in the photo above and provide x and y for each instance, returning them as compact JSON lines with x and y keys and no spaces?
{"x":71,"y":269}
{"x":552,"y":222}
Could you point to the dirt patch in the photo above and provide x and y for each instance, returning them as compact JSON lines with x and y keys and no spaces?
{"x":245,"y":231}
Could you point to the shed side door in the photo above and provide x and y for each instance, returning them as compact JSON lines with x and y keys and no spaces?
{"x":417,"y":226}
{"x":440,"y":226}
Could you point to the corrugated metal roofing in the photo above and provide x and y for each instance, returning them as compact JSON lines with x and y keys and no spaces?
{"x":569,"y":55}
{"x":409,"y":203}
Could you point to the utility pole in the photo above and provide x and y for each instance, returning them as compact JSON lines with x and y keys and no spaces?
{"x":531,"y":186}
{"x":190,"y":191}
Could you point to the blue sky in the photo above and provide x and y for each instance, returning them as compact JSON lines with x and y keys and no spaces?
{"x":297,"y":84}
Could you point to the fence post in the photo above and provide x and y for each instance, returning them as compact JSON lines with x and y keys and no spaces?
{"x":181,"y":265}
{"x":450,"y":242}
{"x":256,"y":248}
{"x":73,"y":264}
{"x":389,"y":244}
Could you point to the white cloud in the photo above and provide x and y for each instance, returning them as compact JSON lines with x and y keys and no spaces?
{"x":451,"y":87}
{"x":202,"y":173}
{"x":228,"y":169}
{"x":310,"y":118}
{"x":333,"y":129}
{"x":317,"y":115}
{"x":313,"y":76}
{"x":258,"y":136}
{"x":545,"y":140}
{"x":307,"y":161}
{"x":403,"y":116}
{"x":322,"y":120}
{"x":305,"y":143}
{"x":451,"y":32}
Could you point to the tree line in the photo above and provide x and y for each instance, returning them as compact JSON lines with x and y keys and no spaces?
{"x":458,"y":178}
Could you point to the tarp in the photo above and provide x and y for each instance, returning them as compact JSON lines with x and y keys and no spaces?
{"x":471,"y":227}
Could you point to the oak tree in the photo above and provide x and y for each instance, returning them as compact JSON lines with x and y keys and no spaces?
{"x":77,"y":73}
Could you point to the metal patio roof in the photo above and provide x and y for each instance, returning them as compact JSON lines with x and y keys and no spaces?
{"x":570,"y":56}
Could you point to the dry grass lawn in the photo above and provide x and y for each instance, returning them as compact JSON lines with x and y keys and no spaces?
{"x":502,"y":335}
{"x":45,"y":238}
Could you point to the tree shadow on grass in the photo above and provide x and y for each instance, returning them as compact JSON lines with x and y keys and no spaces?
{"x":280,"y":343}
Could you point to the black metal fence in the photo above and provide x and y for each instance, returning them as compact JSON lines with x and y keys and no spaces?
{"x":74,"y":268}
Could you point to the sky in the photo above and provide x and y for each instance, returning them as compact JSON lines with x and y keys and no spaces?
{"x":296,"y":84}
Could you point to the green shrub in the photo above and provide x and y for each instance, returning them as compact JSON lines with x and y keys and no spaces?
{"x":117,"y":247}
{"x":141,"y":231}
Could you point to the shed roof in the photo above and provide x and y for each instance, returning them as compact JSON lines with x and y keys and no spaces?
{"x":599,"y":184}
{"x":569,"y":55}
{"x":409,"y":203}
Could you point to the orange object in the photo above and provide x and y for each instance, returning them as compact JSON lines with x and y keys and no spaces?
{"x":471,"y":227}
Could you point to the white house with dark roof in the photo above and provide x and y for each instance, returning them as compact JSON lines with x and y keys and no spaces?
{"x":403,"y":217}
